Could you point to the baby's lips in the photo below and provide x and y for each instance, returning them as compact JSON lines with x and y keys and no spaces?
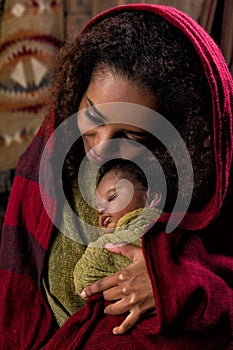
{"x":106,"y":220}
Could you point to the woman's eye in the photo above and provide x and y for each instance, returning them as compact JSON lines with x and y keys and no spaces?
{"x":93,"y":118}
{"x":136,"y":141}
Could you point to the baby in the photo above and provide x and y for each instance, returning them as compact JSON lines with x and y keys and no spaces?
{"x":125,"y":206}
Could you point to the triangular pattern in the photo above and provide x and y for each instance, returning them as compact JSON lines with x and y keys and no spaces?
{"x":39,"y":70}
{"x":19,"y":75}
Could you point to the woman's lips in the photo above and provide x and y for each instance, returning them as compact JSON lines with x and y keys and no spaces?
{"x":96,"y":157}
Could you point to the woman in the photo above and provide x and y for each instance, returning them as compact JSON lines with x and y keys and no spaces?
{"x":158,"y":58}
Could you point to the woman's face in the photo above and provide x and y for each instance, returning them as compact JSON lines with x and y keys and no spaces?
{"x":99,"y":124}
{"x":116,"y":196}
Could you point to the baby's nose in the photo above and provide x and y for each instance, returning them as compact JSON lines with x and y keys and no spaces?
{"x":101,"y":210}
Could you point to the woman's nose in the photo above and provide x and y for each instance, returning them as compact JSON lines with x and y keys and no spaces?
{"x":106,"y":142}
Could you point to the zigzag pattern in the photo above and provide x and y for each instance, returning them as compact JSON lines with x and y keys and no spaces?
{"x":19,"y":137}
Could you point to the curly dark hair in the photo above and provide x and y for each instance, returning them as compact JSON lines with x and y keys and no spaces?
{"x":145,"y":49}
{"x":125,"y":167}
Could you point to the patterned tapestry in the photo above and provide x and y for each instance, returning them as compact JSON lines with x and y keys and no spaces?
{"x":30,"y":37}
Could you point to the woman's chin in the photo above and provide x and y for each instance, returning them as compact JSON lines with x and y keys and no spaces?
{"x":94,"y":158}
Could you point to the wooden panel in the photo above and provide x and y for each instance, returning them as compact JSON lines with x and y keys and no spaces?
{"x":226,"y":43}
{"x":80,"y":6}
{"x":74,"y":23}
{"x":99,"y":6}
{"x":207,"y":14}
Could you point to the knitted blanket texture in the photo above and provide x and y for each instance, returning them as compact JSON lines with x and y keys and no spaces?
{"x":191,"y":268}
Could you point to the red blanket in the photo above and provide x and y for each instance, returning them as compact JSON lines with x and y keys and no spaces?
{"x":191,"y":269}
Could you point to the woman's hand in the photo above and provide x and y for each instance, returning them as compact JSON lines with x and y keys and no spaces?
{"x":131,"y":288}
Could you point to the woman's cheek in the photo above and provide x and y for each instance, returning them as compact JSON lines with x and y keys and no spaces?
{"x":130,"y":151}
{"x":83,"y":126}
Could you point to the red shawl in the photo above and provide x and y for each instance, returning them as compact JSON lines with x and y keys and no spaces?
{"x":191,"y":269}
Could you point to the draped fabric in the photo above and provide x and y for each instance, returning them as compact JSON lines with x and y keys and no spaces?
{"x":191,"y":269}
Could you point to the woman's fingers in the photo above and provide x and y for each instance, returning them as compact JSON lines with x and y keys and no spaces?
{"x":108,"y":285}
{"x":128,"y":323}
{"x":133,"y":317}
{"x":132,"y":303}
{"x":100,"y":286}
{"x":112,"y":294}
{"x":117,"y":308}
{"x":128,"y":250}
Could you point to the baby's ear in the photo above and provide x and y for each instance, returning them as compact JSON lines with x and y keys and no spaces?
{"x":154,"y":198}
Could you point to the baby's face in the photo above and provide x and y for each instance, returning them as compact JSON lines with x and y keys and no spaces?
{"x":116,"y":196}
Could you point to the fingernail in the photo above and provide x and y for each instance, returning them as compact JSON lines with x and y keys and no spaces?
{"x":114,"y":331}
{"x":83,"y":294}
{"x":109,"y":245}
{"x":115,"y":245}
